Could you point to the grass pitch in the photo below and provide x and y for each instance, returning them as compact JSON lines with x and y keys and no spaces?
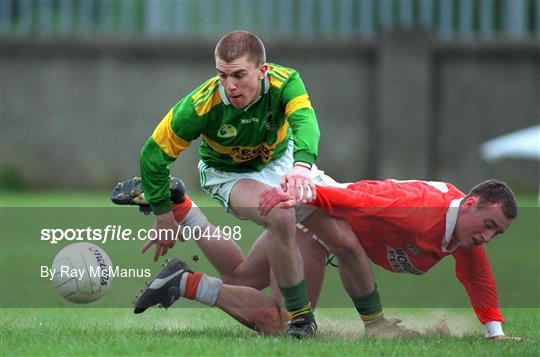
{"x":207,"y":331}
{"x":36,"y":321}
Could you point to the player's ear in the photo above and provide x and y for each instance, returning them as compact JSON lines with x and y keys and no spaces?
{"x":262,"y":70}
{"x":470,"y":202}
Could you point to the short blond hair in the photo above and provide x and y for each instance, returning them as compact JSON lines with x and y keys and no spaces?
{"x":239,"y":43}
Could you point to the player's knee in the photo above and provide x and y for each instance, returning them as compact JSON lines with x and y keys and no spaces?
{"x":345,"y":246}
{"x":281,"y":219}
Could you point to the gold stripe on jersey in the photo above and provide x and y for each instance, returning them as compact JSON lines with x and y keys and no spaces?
{"x":203,"y":99}
{"x":202,"y":96}
{"x":275,"y":82}
{"x":209,"y":87}
{"x":206,"y":97}
{"x":206,"y":105}
{"x":281,"y":72}
{"x":300,"y":102}
{"x":278,"y":76}
{"x":167,"y":139}
{"x":245,"y":153}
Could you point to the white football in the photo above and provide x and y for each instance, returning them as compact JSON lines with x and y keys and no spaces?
{"x":82,"y":272}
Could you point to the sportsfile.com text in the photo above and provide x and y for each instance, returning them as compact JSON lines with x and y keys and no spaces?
{"x":118,"y":233}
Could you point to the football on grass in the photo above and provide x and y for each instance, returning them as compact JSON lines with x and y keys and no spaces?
{"x":81,"y":272}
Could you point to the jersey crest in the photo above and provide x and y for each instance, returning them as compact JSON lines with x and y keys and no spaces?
{"x":227,"y":131}
{"x":400,"y":261}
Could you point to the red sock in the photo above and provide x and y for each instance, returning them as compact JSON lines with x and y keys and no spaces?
{"x":180,"y":210}
{"x":192,"y":285}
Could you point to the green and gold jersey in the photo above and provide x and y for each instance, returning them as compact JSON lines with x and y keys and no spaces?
{"x":234,"y":140}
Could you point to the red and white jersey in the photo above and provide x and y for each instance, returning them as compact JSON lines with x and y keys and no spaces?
{"x":406,"y":227}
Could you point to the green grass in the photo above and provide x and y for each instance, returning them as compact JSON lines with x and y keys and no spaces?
{"x":207,"y":331}
{"x":36,"y":321}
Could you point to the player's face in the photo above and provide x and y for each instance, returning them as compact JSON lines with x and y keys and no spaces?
{"x":241,"y":80}
{"x":477,"y":225}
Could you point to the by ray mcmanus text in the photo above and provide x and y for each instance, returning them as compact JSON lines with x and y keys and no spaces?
{"x":107,"y":272}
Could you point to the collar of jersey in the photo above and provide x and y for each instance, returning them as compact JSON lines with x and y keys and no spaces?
{"x":451,"y":219}
{"x":265,"y":89}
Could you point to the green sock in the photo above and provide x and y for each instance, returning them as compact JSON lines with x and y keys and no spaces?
{"x":369,"y":307}
{"x":296,"y":300}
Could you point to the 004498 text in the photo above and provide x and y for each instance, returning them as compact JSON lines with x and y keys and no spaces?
{"x":212,"y":233}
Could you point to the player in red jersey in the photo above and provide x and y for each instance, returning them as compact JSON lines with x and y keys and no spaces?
{"x":409,"y":226}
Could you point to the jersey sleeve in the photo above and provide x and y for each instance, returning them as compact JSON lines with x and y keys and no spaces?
{"x":172,"y":136}
{"x":302,"y":120}
{"x":474,"y":271}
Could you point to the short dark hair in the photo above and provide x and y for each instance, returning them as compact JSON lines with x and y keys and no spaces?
{"x":495,"y":191}
{"x":239,"y":43}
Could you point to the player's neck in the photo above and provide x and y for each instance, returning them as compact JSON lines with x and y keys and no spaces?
{"x":453,"y":244}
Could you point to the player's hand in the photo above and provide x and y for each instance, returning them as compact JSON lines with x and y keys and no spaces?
{"x":298,"y":184}
{"x":503,"y":337}
{"x":164,"y":233}
{"x":389,"y":328}
{"x":274,"y":197}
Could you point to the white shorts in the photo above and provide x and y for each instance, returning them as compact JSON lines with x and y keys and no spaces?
{"x":218,"y":184}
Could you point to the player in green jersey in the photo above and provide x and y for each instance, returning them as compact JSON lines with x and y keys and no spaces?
{"x":259,"y":130}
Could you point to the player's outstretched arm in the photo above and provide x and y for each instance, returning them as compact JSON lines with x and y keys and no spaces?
{"x":474,"y":271}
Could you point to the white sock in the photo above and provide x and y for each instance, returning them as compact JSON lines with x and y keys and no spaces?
{"x":207,"y":291}
{"x":194,"y":218}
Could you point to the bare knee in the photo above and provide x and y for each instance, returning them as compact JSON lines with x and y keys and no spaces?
{"x":345,"y":245}
{"x":281,"y":220}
